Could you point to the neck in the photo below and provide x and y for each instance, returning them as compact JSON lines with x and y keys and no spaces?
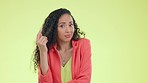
{"x":64,"y":46}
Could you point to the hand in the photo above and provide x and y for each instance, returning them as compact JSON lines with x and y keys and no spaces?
{"x":41,"y":42}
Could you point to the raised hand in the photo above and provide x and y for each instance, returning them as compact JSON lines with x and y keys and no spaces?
{"x":41,"y":42}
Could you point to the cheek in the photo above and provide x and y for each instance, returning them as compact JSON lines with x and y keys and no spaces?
{"x":60,"y":35}
{"x":72,"y":30}
{"x":60,"y":32}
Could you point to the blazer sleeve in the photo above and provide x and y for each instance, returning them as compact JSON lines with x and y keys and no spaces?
{"x":85,"y":69}
{"x":47,"y":78}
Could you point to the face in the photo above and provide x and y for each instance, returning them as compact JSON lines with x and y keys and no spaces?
{"x":65,"y":28}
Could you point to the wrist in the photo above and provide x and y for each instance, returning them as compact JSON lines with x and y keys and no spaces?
{"x":43,"y":53}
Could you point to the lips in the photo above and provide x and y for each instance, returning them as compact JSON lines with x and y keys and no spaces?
{"x":67,"y":36}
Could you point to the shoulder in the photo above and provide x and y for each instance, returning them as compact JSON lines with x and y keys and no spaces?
{"x":82,"y":42}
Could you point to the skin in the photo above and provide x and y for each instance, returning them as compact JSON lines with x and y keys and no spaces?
{"x":65,"y":31}
{"x":41,"y":42}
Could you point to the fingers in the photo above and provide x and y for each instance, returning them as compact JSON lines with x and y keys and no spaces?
{"x":39,"y":34}
{"x":45,"y":41}
{"x":42,"y":40}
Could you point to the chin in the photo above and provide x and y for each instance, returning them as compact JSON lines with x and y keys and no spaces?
{"x":67,"y":40}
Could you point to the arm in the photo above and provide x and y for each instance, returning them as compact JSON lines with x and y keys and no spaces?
{"x":85,"y":69}
{"x":44,"y":74}
{"x":43,"y":62}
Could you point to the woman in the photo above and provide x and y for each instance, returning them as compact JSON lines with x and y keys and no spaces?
{"x":61,"y":56}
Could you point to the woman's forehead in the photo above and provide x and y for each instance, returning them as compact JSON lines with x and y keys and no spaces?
{"x":65,"y":18}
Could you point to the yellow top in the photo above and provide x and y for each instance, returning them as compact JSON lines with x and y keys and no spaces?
{"x":66,"y":74}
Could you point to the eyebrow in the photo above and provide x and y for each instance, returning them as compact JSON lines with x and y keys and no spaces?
{"x":65,"y":22}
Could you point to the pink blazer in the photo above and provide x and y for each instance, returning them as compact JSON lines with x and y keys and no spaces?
{"x":81,"y":64}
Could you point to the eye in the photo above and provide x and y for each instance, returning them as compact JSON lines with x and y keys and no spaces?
{"x":62,"y":26}
{"x":71,"y":25}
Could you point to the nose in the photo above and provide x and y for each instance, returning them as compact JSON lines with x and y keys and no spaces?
{"x":67,"y":29}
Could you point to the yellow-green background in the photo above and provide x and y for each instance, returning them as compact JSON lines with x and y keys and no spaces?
{"x":118,"y":30}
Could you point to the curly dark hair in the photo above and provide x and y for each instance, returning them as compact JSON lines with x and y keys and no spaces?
{"x":49,"y":29}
